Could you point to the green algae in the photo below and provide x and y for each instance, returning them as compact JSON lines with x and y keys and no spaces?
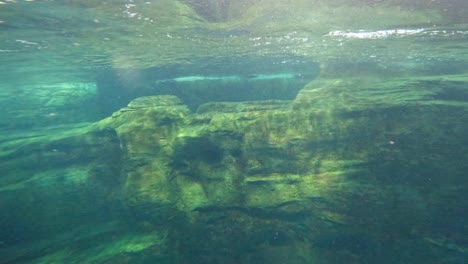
{"x":369,"y":149}
{"x":337,"y":158}
{"x":368,"y":160}
{"x":113,"y":246}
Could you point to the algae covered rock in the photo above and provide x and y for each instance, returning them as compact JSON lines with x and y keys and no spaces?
{"x":56,"y":182}
{"x":147,"y":130}
{"x":339,"y":173}
{"x":336,"y":158}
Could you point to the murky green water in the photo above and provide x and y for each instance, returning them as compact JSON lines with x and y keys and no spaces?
{"x":219,"y":131}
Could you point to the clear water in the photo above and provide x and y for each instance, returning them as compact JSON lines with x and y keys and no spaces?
{"x":306,"y":131}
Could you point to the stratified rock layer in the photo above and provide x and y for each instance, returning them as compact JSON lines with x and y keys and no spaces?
{"x":351,"y":171}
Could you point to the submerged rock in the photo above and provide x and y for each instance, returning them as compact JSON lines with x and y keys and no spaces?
{"x":340,"y":173}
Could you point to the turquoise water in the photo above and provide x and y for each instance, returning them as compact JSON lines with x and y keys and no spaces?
{"x":219,"y":131}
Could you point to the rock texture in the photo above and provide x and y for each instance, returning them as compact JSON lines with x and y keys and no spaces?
{"x":351,"y":171}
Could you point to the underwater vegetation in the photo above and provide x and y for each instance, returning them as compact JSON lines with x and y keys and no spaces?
{"x":341,"y":173}
{"x":222,"y":131}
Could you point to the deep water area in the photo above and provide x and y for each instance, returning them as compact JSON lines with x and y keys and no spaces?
{"x":233,"y":132}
